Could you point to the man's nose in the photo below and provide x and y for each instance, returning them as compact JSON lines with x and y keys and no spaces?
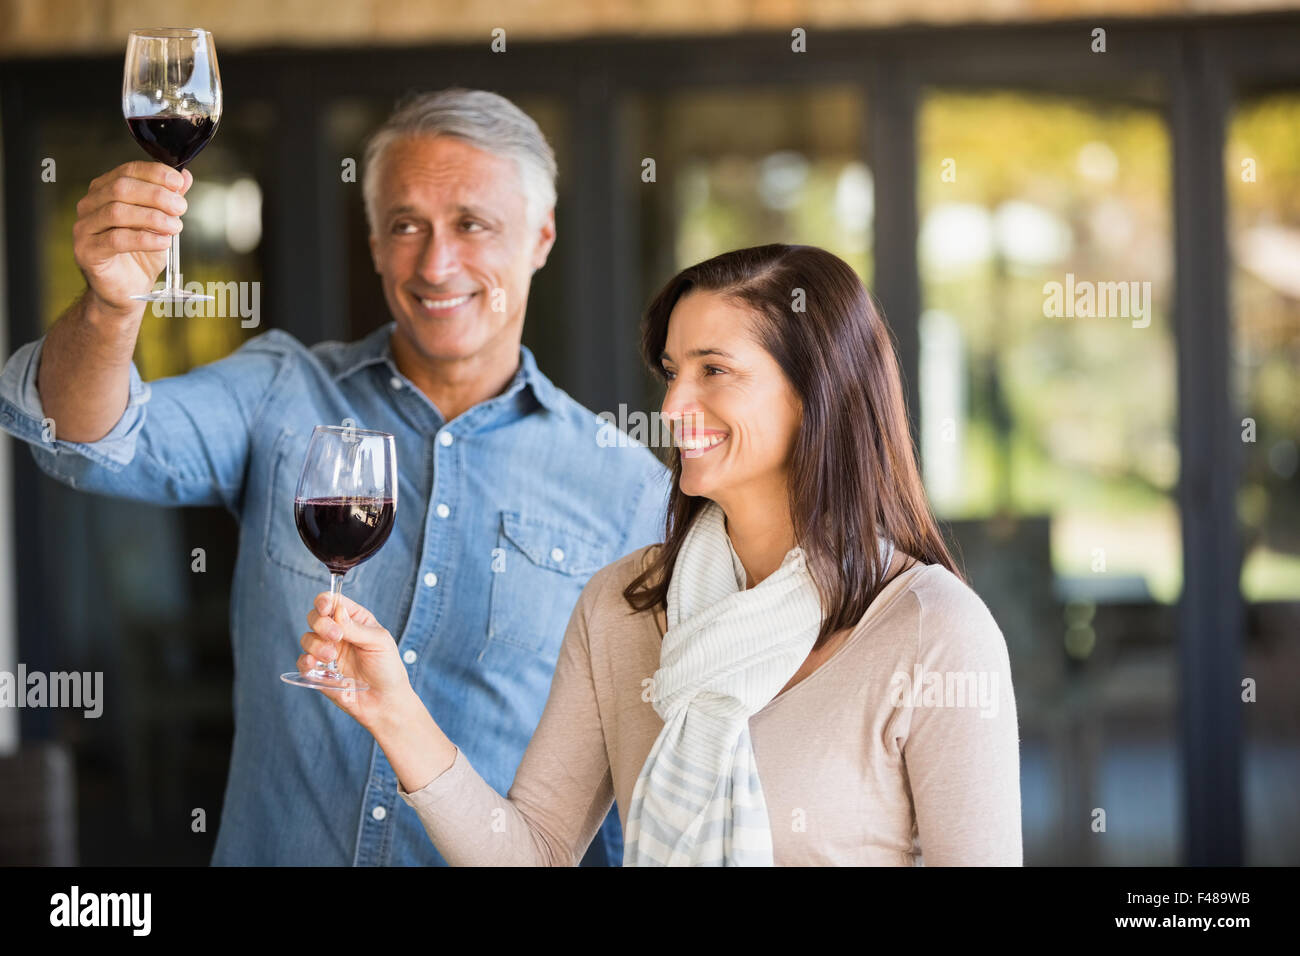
{"x":440,"y":260}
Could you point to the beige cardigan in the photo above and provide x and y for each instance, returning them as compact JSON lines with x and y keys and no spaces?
{"x":871,"y":759}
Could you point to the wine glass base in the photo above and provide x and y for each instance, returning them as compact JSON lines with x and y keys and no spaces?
{"x":168,"y":295}
{"x":323,"y":682}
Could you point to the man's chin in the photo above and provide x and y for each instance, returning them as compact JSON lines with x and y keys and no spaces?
{"x":441,"y":341}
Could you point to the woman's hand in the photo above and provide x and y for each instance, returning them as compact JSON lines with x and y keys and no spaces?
{"x":365,"y":651}
{"x":417,"y":749}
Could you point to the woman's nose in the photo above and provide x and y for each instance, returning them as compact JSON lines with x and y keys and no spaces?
{"x":676,"y":401}
{"x":680,"y":411}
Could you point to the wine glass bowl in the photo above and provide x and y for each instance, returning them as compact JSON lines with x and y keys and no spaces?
{"x":171,"y":99}
{"x":344,"y":509}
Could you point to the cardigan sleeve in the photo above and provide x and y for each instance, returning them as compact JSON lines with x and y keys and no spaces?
{"x":562,"y":790}
{"x":962,"y":746}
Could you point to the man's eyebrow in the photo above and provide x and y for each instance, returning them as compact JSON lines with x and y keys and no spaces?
{"x":407,"y":208}
{"x":698,"y":353}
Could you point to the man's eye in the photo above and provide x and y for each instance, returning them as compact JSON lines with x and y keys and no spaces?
{"x":478,"y":226}
{"x":401,"y":227}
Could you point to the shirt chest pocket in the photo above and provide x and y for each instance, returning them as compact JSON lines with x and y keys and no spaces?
{"x":539,"y":571}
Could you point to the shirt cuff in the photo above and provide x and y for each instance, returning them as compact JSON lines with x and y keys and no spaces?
{"x":23,"y":415}
{"x":436,"y":790}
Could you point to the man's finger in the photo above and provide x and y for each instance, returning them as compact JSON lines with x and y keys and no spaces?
{"x":157,"y":173}
{"x":137,"y":192}
{"x":114,"y":242}
{"x":123,"y":215}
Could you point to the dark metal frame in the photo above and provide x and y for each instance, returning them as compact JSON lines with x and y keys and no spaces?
{"x":1193,"y":69}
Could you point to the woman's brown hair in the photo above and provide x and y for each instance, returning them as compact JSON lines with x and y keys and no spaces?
{"x":853,"y":472}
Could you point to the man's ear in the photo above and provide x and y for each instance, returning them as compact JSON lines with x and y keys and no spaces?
{"x":545,"y":239}
{"x":374,"y":252}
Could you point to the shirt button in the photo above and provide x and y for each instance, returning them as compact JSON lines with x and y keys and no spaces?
{"x":443,"y":511}
{"x":445,"y":439}
{"x":395,"y":382}
{"x":557,"y":554}
{"x":409,"y":656}
{"x":379,"y":813}
{"x":431,"y":579}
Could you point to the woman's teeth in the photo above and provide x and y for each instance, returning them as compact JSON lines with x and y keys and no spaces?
{"x":444,"y":303}
{"x":695,"y":447}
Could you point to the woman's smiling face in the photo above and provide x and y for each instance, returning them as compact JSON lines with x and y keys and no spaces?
{"x":733,"y":414}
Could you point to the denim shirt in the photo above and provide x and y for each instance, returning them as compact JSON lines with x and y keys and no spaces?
{"x":503,"y":514}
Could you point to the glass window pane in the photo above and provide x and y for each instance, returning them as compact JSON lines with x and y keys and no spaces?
{"x":1262,"y":165}
{"x":1049,"y":441}
{"x":726,"y":169}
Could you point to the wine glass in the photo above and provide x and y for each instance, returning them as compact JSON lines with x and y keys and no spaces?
{"x":345,"y":507}
{"x":171,"y":98}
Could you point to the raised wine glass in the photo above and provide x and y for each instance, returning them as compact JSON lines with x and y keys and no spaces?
{"x":171,"y":98}
{"x":344,"y":508}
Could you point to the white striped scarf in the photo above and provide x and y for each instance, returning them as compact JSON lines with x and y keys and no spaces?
{"x":727,"y":652}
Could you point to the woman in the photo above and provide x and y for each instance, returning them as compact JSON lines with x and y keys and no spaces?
{"x":797,"y":675}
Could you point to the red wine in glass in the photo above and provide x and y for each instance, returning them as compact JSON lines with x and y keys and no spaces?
{"x":343,"y":532}
{"x":344,"y":508}
{"x":171,"y":99}
{"x":173,"y":140}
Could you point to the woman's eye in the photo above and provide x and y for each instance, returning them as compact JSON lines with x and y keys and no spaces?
{"x":708,"y":370}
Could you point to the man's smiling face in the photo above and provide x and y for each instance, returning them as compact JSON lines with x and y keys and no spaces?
{"x":455,"y":250}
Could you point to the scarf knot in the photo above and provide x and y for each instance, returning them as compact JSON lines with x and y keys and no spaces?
{"x":727,"y":652}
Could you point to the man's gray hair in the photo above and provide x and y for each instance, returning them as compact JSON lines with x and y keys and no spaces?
{"x":485,"y":121}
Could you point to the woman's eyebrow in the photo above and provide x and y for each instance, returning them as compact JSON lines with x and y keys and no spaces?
{"x":698,"y":353}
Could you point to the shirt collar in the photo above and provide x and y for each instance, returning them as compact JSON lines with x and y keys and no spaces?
{"x":377,"y":347}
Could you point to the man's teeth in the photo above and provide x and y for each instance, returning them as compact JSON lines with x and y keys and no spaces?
{"x":695,"y":444}
{"x":444,"y":303}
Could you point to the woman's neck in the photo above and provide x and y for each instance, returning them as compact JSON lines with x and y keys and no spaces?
{"x":762,"y":534}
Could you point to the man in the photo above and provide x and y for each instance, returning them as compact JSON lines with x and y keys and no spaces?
{"x":507,"y":503}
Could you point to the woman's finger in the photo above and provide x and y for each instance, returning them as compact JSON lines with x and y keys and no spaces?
{"x":343,"y":694}
{"x":365,"y":634}
{"x":353,"y":610}
{"x":361,"y":614}
{"x":326,"y":627}
{"x":317,"y":646}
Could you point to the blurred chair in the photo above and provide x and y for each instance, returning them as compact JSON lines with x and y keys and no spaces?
{"x":38,"y":817}
{"x":174,"y":653}
{"x":1008,"y":561}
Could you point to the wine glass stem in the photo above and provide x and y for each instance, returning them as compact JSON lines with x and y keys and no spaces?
{"x":174,"y":264}
{"x":331,"y":668}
